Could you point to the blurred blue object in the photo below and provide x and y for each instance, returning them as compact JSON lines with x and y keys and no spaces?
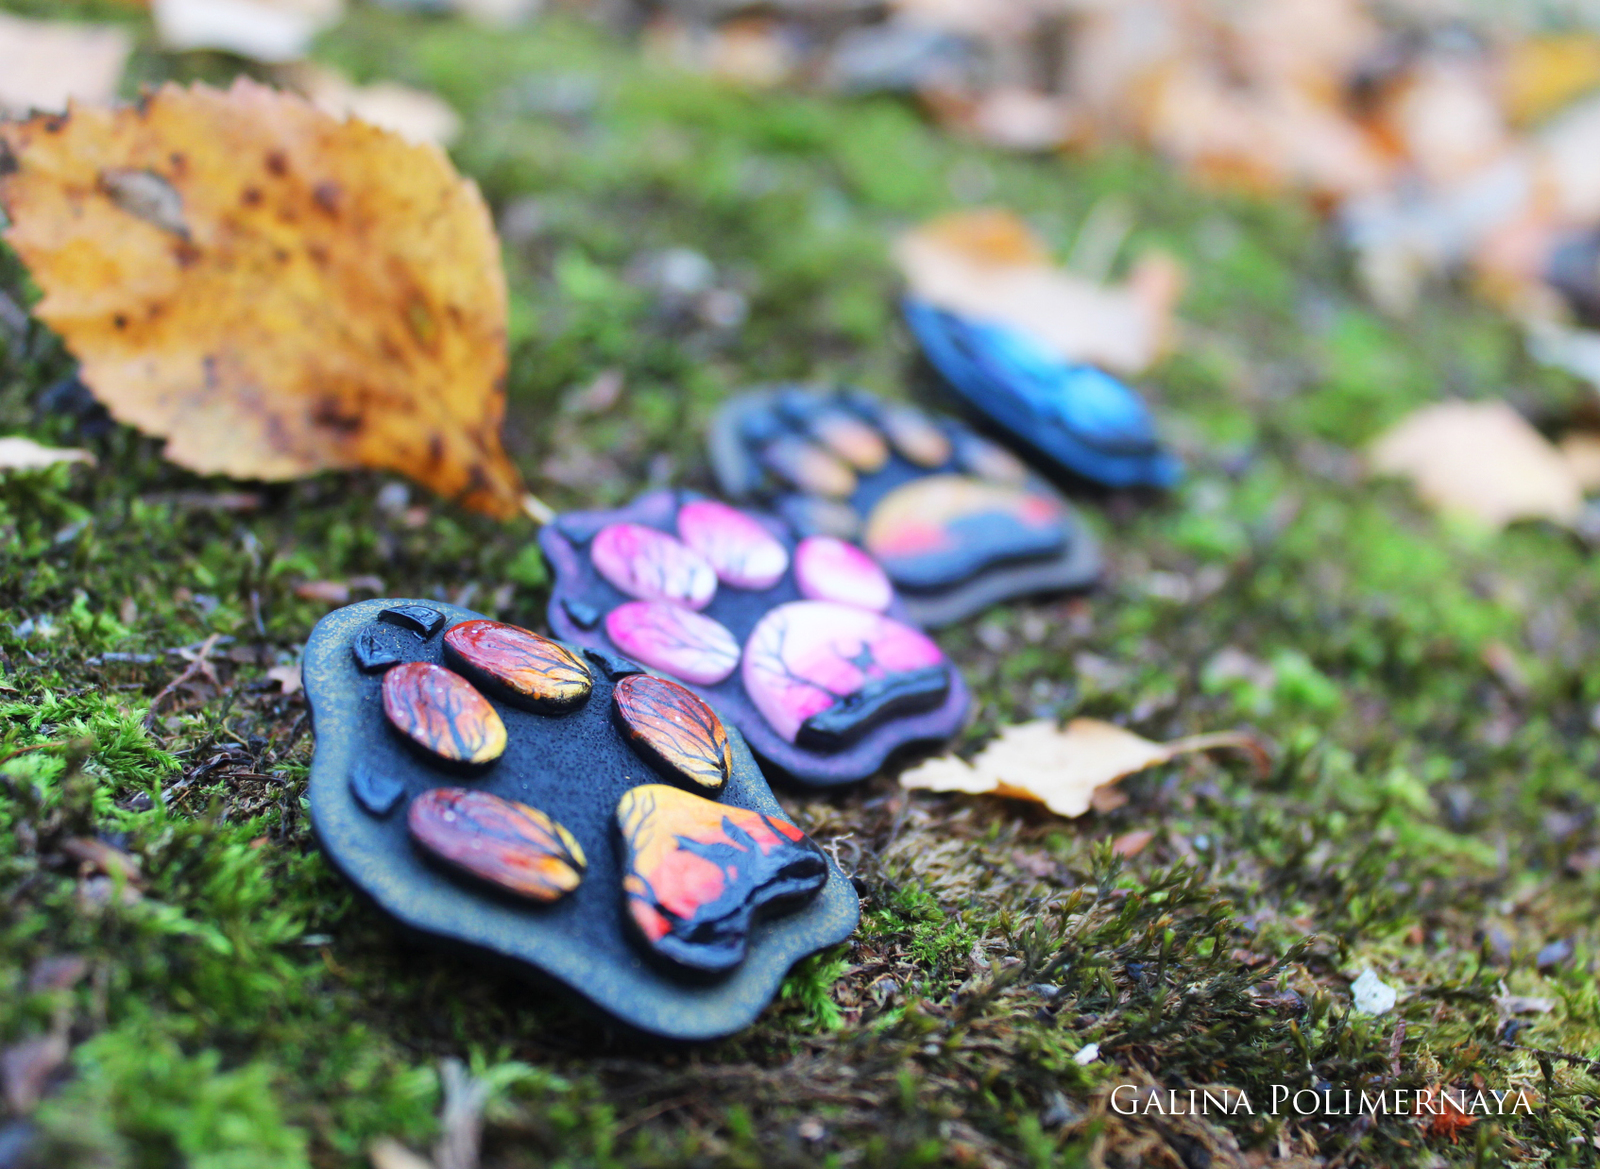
{"x":1080,"y":417}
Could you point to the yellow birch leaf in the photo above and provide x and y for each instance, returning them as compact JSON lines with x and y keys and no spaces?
{"x":274,"y":291}
{"x":1544,"y":73}
{"x":1058,"y":767}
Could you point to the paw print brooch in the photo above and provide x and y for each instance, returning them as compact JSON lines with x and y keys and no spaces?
{"x":565,"y":810}
{"x":800,"y":642}
{"x":1076,"y":419}
{"x":957,"y":523}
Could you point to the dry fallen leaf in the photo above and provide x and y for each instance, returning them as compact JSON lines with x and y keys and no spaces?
{"x":57,"y":972}
{"x":989,"y":265}
{"x":337,"y":592}
{"x":1061,"y":767}
{"x":1023,"y":119}
{"x":44,"y":63}
{"x":275,"y":292}
{"x":1480,"y":459}
{"x":26,"y":1068}
{"x":23,"y":454}
{"x":749,"y":51}
{"x":287,"y":677}
{"x":1445,"y":1120}
{"x":1107,"y":799}
{"x":1262,"y":141}
{"x":1581,"y":450}
{"x":96,"y":856}
{"x":1464,"y":154}
{"x":388,"y":1153}
{"x":1509,"y":1004}
{"x":499,"y":13}
{"x":334,"y":592}
{"x":414,"y":114}
{"x":1498,"y":203}
{"x":263,"y":30}
{"x":1575,"y":350}
{"x":1568,"y":150}
{"x":1447,"y":119}
{"x":991,"y":18}
{"x":1132,"y":843}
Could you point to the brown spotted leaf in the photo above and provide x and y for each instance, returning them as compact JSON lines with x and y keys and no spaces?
{"x":272,"y":290}
{"x":675,"y":727}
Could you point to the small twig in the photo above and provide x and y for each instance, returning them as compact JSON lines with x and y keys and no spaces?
{"x":12,"y":754}
{"x":296,"y":729}
{"x":1250,"y":744}
{"x":537,"y":509}
{"x":902,"y":810}
{"x":461,"y":1118}
{"x":187,"y":652}
{"x":655,"y":1110}
{"x":198,"y":664}
{"x":832,"y":848}
{"x":86,"y":744}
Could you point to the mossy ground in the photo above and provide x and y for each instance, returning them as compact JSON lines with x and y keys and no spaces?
{"x":1429,"y":691}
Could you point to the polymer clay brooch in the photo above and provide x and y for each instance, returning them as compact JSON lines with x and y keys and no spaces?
{"x":1076,"y":418}
{"x":570,"y":812}
{"x":799,"y":642}
{"x":957,"y":522}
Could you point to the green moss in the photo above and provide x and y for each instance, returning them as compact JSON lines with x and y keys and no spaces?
{"x":147,"y":1104}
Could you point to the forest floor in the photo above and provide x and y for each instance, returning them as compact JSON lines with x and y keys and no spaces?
{"x":1428,"y":690}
